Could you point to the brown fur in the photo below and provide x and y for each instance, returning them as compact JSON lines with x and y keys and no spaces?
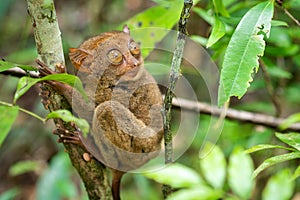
{"x":124,"y":107}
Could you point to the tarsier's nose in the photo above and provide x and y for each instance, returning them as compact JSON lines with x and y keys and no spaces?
{"x":132,"y":61}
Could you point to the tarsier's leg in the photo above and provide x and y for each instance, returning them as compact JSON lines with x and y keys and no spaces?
{"x":124,"y":141}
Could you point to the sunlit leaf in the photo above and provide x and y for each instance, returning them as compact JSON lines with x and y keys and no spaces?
{"x":289,"y":121}
{"x":24,"y":167}
{"x":8,"y":116}
{"x":25,"y":83}
{"x":152,"y":25}
{"x":292,"y":139}
{"x":266,"y":146}
{"x":240,"y":169}
{"x":279,"y":186}
{"x":213,"y":165}
{"x":67,"y":116}
{"x":217,"y":33}
{"x":275,"y":160}
{"x":245,"y":46}
{"x":220,"y":8}
{"x":69,"y":79}
{"x":177,"y":176}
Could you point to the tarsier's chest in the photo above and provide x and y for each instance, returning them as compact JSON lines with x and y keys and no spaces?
{"x":138,"y":96}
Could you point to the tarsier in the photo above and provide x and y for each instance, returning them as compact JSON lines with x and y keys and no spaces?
{"x":124,"y":107}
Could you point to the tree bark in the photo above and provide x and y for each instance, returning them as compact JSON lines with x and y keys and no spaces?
{"x":49,"y":47}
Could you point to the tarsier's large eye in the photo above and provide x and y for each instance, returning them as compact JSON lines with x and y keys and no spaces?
{"x":134,"y":48}
{"x":115,"y":56}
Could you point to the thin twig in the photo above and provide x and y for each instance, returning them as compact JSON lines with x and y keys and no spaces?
{"x":270,"y":89}
{"x":280,"y":3}
{"x":174,"y":76}
{"x":291,"y":16}
{"x":24,"y":110}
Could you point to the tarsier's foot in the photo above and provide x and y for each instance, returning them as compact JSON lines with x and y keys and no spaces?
{"x":66,"y":136}
{"x":73,"y":137}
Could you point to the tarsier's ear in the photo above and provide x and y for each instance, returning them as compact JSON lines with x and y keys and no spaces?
{"x":126,"y":29}
{"x":77,"y":56}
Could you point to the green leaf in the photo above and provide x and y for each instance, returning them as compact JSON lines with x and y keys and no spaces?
{"x":154,"y":23}
{"x":220,"y":8}
{"x":240,"y":169}
{"x":217,"y":33}
{"x":199,"y":39}
{"x":177,"y":176}
{"x":4,"y":65}
{"x":245,"y":46}
{"x":292,"y":139}
{"x":69,"y":79}
{"x":279,"y":186}
{"x":275,"y":160}
{"x":296,"y":173}
{"x":275,"y":23}
{"x":9,"y":194}
{"x":266,"y":146}
{"x":8,"y":116}
{"x":196,"y":193}
{"x":25,"y":83}
{"x":292,"y":119}
{"x":67,"y":116}
{"x":213,"y":165}
{"x":22,"y":167}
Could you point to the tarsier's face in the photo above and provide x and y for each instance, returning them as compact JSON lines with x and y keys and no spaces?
{"x":126,"y":60}
{"x":113,"y":51}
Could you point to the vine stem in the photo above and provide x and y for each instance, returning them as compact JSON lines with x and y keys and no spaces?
{"x":174,"y":76}
{"x":24,"y":110}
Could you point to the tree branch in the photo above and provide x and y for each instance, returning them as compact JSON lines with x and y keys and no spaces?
{"x":242,"y":116}
{"x":205,"y":108}
{"x":49,"y":47}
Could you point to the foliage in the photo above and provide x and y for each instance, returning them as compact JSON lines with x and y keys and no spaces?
{"x":291,"y":139}
{"x":25,"y":83}
{"x":239,"y":179}
{"x":8,"y":116}
{"x":237,"y":34}
{"x":245,"y":47}
{"x":67,"y":116}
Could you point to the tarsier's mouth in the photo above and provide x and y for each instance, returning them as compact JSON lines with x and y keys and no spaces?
{"x":132,"y":72}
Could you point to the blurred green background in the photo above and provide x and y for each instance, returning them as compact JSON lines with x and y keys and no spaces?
{"x":33,"y":164}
